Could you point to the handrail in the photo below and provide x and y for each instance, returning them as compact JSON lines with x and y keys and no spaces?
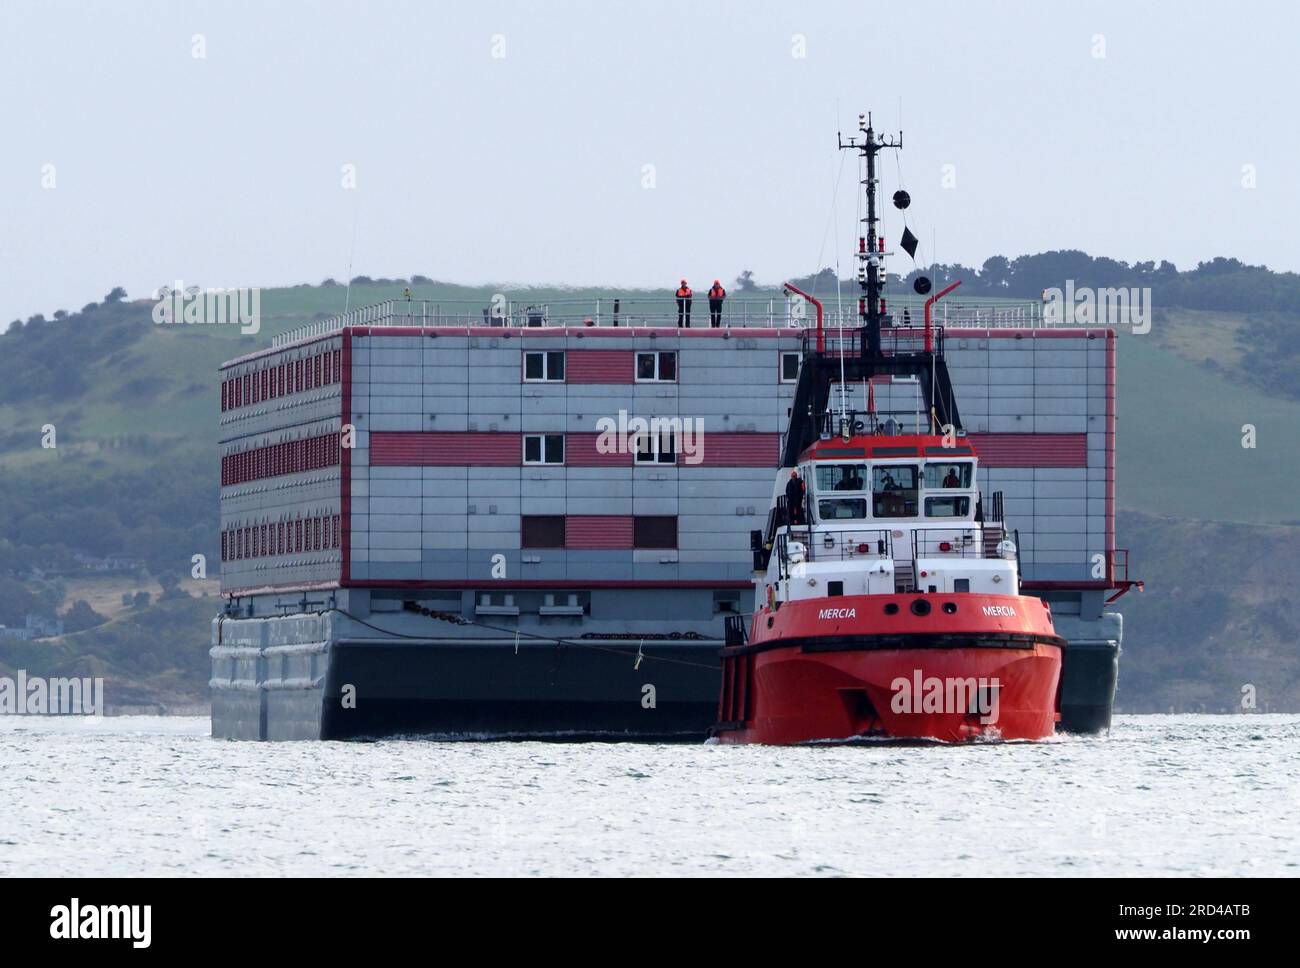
{"x":649,"y":311}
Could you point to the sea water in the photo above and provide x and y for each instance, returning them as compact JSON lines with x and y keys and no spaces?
{"x":1171,"y":795}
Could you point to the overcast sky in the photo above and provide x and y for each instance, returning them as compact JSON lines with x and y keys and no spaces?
{"x":509,"y":142}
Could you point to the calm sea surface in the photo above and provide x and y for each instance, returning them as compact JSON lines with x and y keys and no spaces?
{"x":1181,"y":795}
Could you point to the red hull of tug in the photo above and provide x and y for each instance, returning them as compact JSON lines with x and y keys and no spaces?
{"x":831,"y":669}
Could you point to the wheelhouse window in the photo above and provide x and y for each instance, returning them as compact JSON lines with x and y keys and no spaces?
{"x":660,"y":448}
{"x":947,"y":475}
{"x":841,"y":477}
{"x":656,"y":367}
{"x":544,"y":448}
{"x":544,"y":367}
{"x":893,"y":490}
{"x":789,"y":367}
{"x":541,"y":531}
{"x":956,"y":506}
{"x":654,"y":531}
{"x":842,"y":509}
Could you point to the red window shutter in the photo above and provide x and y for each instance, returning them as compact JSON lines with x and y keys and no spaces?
{"x":273,"y":386}
{"x":223,"y":396}
{"x":297,"y":535}
{"x":338,"y":365}
{"x":337,"y":534}
{"x":327,"y":369}
{"x":257,"y":389}
{"x":317,"y":528}
{"x":223,"y":546}
{"x":318,"y":367}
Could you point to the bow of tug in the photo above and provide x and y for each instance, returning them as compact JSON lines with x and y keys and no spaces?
{"x":909,"y":666}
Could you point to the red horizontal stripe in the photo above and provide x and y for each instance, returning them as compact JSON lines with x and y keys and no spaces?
{"x":598,"y":531}
{"x":739,"y":450}
{"x":444,"y":449}
{"x":1031,"y":450}
{"x":580,"y":451}
{"x":463,"y":449}
{"x":598,"y":366}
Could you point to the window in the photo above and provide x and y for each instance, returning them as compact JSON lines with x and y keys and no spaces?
{"x":893,"y":489}
{"x":789,"y":367}
{"x":316,"y":367}
{"x":654,"y":531}
{"x":328,"y":373}
{"x":945,"y":474}
{"x":265,"y":374}
{"x":841,"y":477}
{"x":656,"y":367}
{"x":248,"y":388}
{"x":543,"y":448}
{"x":337,"y":533}
{"x":544,"y":367}
{"x":224,"y":535}
{"x":338,"y":365}
{"x":660,"y":448}
{"x":541,"y":531}
{"x":224,"y":388}
{"x":842,"y":509}
{"x":297,"y":375}
{"x":947,"y":507}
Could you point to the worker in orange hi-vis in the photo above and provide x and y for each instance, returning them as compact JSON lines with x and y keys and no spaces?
{"x":684,"y":297}
{"x":716,"y":295}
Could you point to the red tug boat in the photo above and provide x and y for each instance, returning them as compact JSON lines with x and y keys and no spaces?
{"x":888,"y":593}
